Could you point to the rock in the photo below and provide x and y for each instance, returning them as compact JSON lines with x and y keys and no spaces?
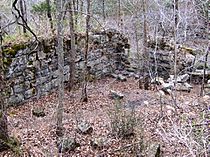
{"x":169,"y":85}
{"x":188,"y":85}
{"x":183,"y":87}
{"x":66,"y":69}
{"x":114,"y":75}
{"x":131,"y":69}
{"x":183,"y":78}
{"x":122,"y":78}
{"x":67,"y":144}
{"x":197,"y":76}
{"x":38,"y":112}
{"x":42,"y":80}
{"x":189,"y":59}
{"x":166,"y":91}
{"x":30,"y":93}
{"x":15,"y":99}
{"x":145,"y":102}
{"x":18,"y":88}
{"x":136,"y":76}
{"x":98,"y":143}
{"x":154,"y":150}
{"x":85,"y":128}
{"x":161,"y":93}
{"x":157,"y":80}
{"x":131,"y":74}
{"x":180,"y":78}
{"x":116,"y":95}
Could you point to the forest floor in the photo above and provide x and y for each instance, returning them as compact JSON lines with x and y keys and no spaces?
{"x":37,"y":134}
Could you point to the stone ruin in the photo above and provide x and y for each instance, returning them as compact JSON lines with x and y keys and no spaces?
{"x":32,"y":67}
{"x":162,"y":58}
{"x":190,"y":64}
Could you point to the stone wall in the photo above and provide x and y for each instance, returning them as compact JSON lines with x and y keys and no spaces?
{"x":161,"y":57}
{"x":33,"y":71}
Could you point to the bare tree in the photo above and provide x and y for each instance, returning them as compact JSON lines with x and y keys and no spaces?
{"x":73,"y":50}
{"x":103,"y":10}
{"x":176,"y":23}
{"x":145,"y":53}
{"x":75,"y":8}
{"x":60,"y":53}
{"x":17,"y":13}
{"x":23,"y":13}
{"x":3,"y":118}
{"x":119,"y":13}
{"x":176,"y":20}
{"x":49,"y":15}
{"x":84,"y":89}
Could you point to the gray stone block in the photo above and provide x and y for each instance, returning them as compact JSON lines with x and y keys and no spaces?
{"x":15,"y":99}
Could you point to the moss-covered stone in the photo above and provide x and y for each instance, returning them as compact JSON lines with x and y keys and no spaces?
{"x":7,"y":61}
{"x":18,"y":47}
{"x":38,"y":112}
{"x":13,"y":50}
{"x":9,"y":51}
{"x":188,"y":50}
{"x":91,"y":78}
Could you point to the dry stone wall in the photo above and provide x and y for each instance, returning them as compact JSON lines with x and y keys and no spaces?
{"x":161,"y":57}
{"x":32,"y":67}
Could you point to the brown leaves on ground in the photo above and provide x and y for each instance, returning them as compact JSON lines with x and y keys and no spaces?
{"x":37,"y":134}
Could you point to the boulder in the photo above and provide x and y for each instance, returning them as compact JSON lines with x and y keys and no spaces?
{"x":38,"y":112}
{"x":84,"y":128}
{"x":183,"y":78}
{"x":157,"y":80}
{"x":116,"y":95}
{"x":180,"y":78}
{"x":98,"y":143}
{"x":67,"y":144}
{"x":197,"y":76}
{"x":122,"y":78}
{"x":183,"y":87}
{"x":154,"y":150}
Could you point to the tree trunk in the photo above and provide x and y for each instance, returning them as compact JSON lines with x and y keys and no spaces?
{"x":73,"y":50}
{"x":60,"y":53}
{"x":145,"y":53}
{"x":4,"y":137}
{"x":49,"y":15}
{"x":75,"y":8}
{"x":23,"y":13}
{"x":103,"y":9}
{"x":84,"y":89}
{"x":81,"y":6}
{"x":176,"y":22}
{"x":119,"y":13}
